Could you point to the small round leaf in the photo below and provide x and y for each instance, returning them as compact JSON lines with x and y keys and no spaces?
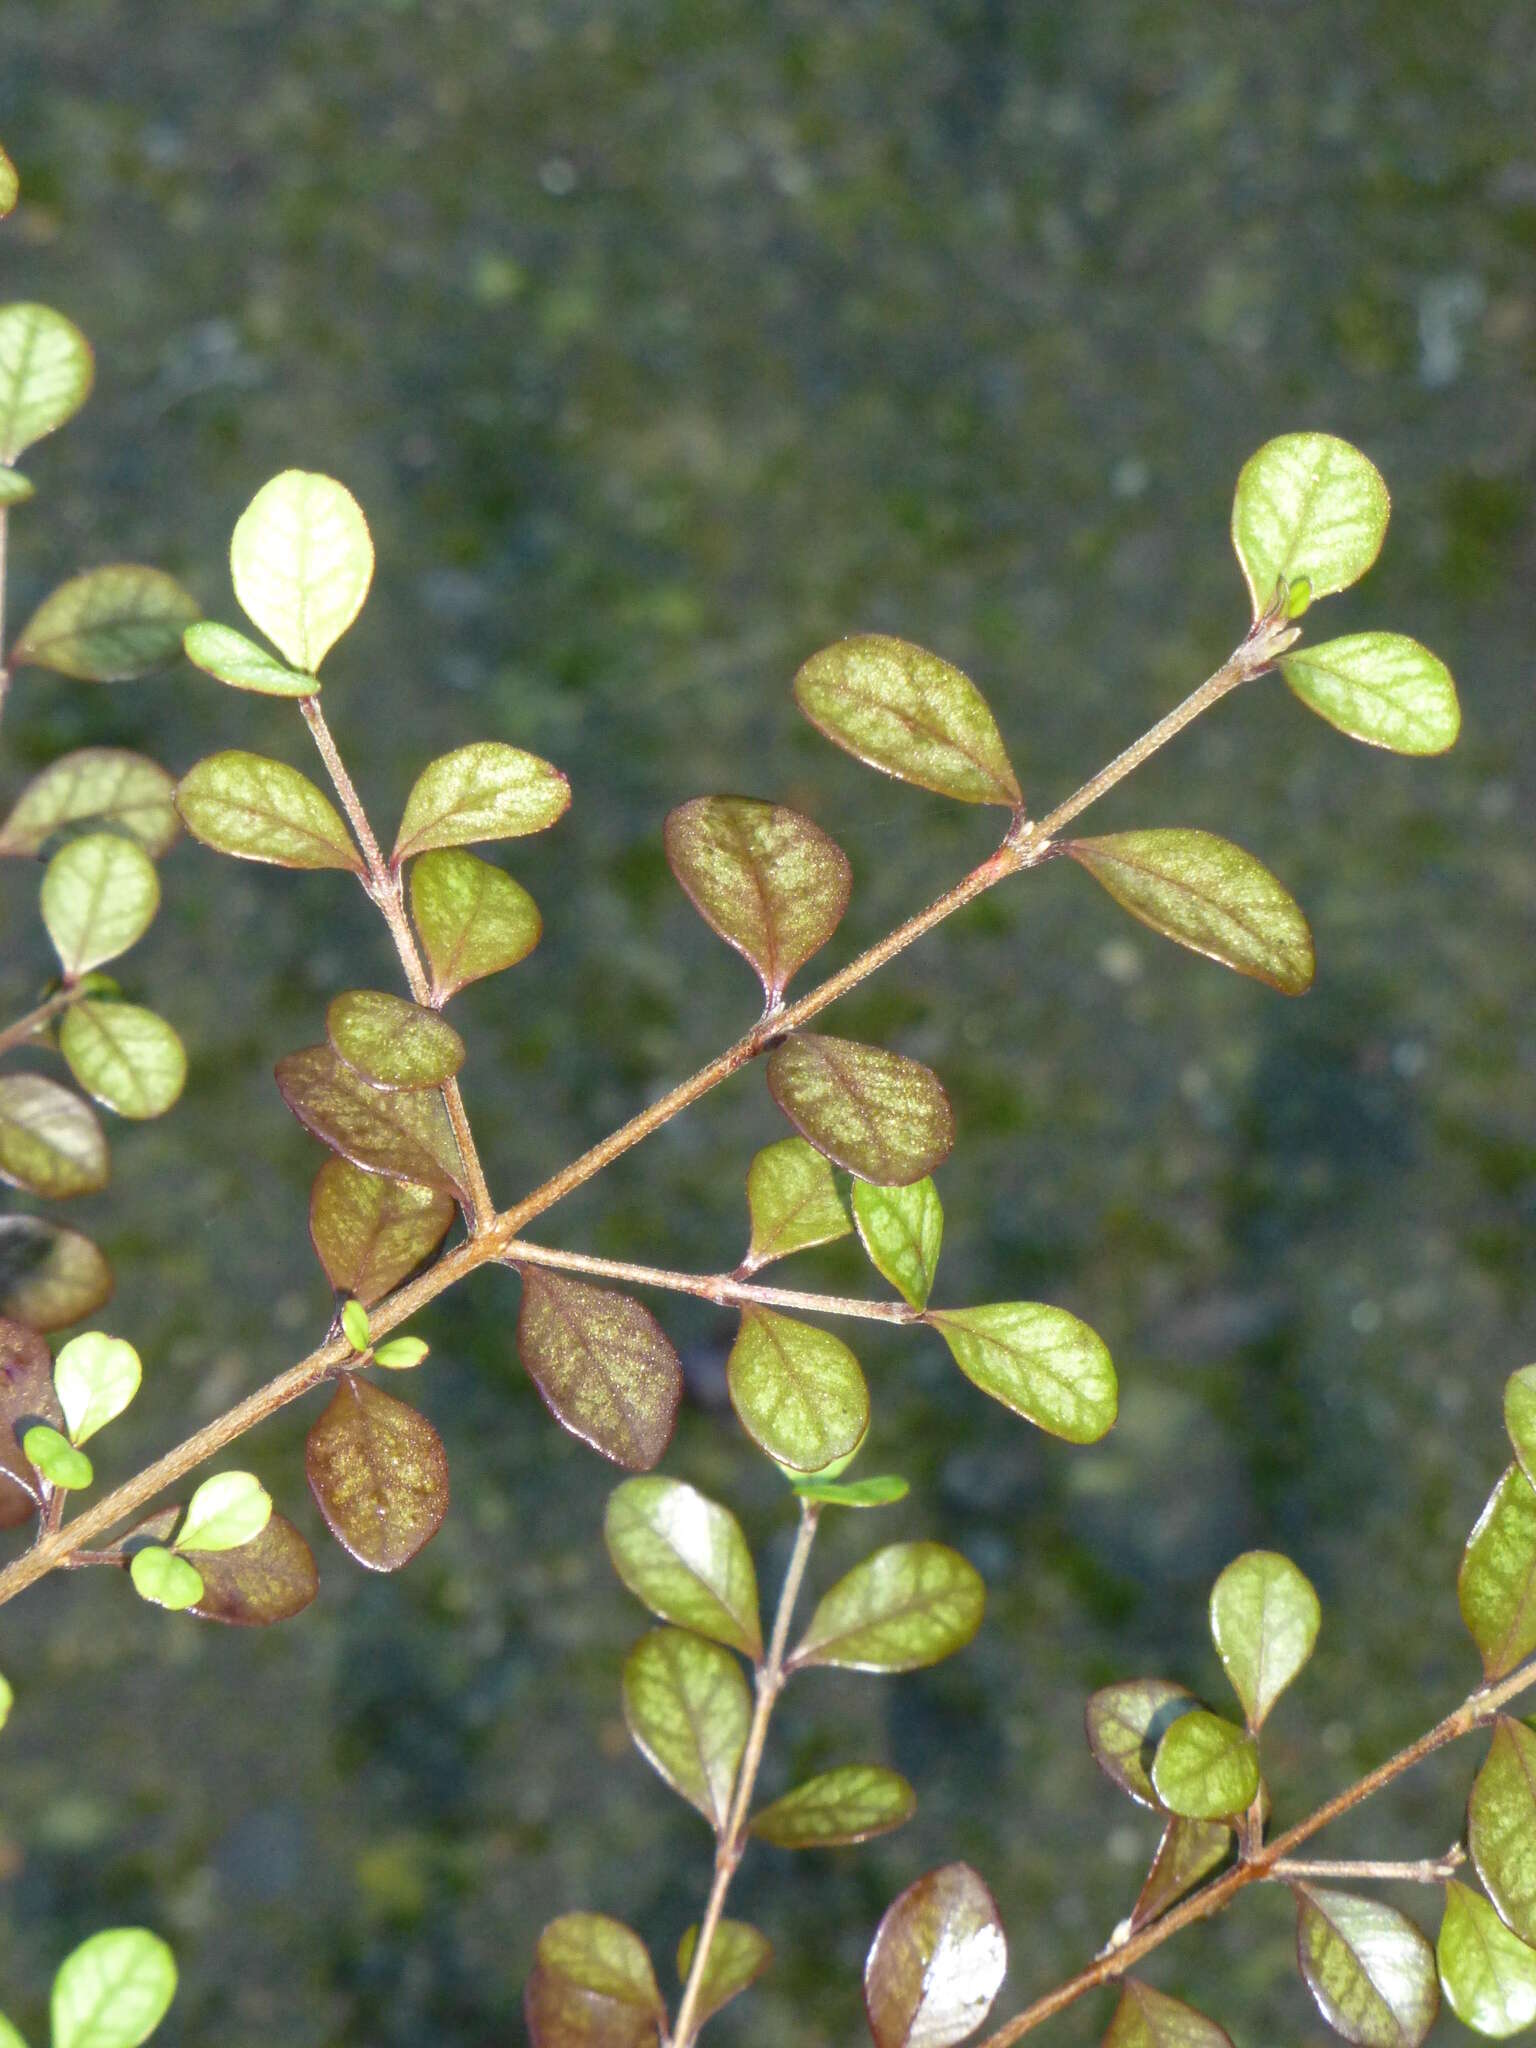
{"x":258,"y":809}
{"x":938,"y":1961}
{"x":853,"y":1803}
{"x":793,"y":1202}
{"x":487,"y":790}
{"x":1497,"y":1582}
{"x":113,"y":1990}
{"x":798,"y":1390}
{"x":473,"y":919}
{"x":1125,"y":1723}
{"x":1488,"y":1974}
{"x":882,"y":1116}
{"x":10,"y":185}
{"x":369,"y":1232}
{"x":603,"y":1365}
{"x":1264,"y":1622}
{"x":50,"y":1276}
{"x":688,"y":1708}
{"x":99,"y":897}
{"x":1039,"y":1361}
{"x":127,"y":1057}
{"x":354,"y":1323}
{"x":379,"y":1475}
{"x":1501,"y":1825}
{"x":51,"y":1143}
{"x":109,"y":625}
{"x":230,"y":1509}
{"x":302,"y":560}
{"x":909,"y":1605}
{"x":164,"y":1579}
{"x":685,"y":1556}
{"x":901,"y":1229}
{"x":405,"y":1134}
{"x":56,"y":1457}
{"x":1520,"y":1416}
{"x":107,"y":786}
{"x":1370,"y":1969}
{"x":96,"y":1377}
{"x":738,"y":1956}
{"x":392,"y":1043}
{"x":1382,"y":688}
{"x":46,"y":369}
{"x":1206,"y":1768}
{"x":7,"y":1699}
{"x":400,"y":1354}
{"x":592,"y":1987}
{"x":1188,"y":1852}
{"x":1145,"y":2018}
{"x":221,"y":652}
{"x":267,"y":1580}
{"x":1308,"y":506}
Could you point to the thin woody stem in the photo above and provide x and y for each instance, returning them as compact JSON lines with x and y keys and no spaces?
{"x":723,"y":1288}
{"x":733,"y":1838}
{"x":383,"y":885}
{"x":32,"y":1023}
{"x":5,"y":674}
{"x":1427,"y":1870}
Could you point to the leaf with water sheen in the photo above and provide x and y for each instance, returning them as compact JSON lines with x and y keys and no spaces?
{"x":1145,"y":2018}
{"x":1382,"y":688}
{"x":592,"y":1986}
{"x":267,"y":1580}
{"x":392,"y":1043}
{"x":1206,"y":1768}
{"x":797,"y":1390}
{"x":27,"y":1396}
{"x":1125,"y":1722}
{"x":51,"y":1143}
{"x":370,"y":1232}
{"x":164,"y":1579}
{"x":1264,"y":1622}
{"x":937,"y":1962}
{"x":473,"y":919}
{"x":46,"y":370}
{"x":128,"y":1057}
{"x":1370,"y":1969}
{"x":1488,"y":1975}
{"x":850,"y":1804}
{"x":1308,"y":506}
{"x":685,"y":1556}
{"x":901,"y":1229}
{"x":880,"y":1490}
{"x":107,"y":786}
{"x":738,"y":1956}
{"x":302,"y":560}
{"x":882,"y":1116}
{"x":793,"y":1202}
{"x":1188,"y":1852}
{"x":379,"y":1474}
{"x":56,"y":1457}
{"x":487,"y":790}
{"x":603,"y":1365}
{"x":1501,"y":1825}
{"x":1497,"y":1581}
{"x":99,"y":897}
{"x":767,"y":880}
{"x":230,"y":1509}
{"x":687,"y":1706}
{"x":1041,"y":1362}
{"x":907,"y":712}
{"x":404,"y":1134}
{"x":109,"y":625}
{"x":227,"y":656}
{"x":113,"y":1990}
{"x":1203,"y":892}
{"x":95,"y":1377}
{"x":254,"y":808}
{"x":910,"y":1604}
{"x":50,"y":1275}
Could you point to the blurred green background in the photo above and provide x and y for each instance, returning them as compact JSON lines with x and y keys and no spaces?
{"x":663,"y":343}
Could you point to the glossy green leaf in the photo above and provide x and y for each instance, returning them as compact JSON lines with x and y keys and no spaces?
{"x":487,"y":790}
{"x":99,"y":897}
{"x":7,"y":1699}
{"x":259,"y":809}
{"x":379,"y":1474}
{"x":1307,"y":506}
{"x":910,"y":1604}
{"x":1488,"y":1975}
{"x":1125,"y":1722}
{"x":403,"y":1134}
{"x":50,"y":1276}
{"x":108,"y":786}
{"x":164,"y":1579}
{"x":127,"y":1057}
{"x":881,"y":1490}
{"x":230,"y":1509}
{"x":221,"y":652}
{"x":95,"y":1377}
{"x":15,"y":489}
{"x":688,"y":1708}
{"x":369,"y":1232}
{"x":1501,"y":1825}
{"x":1370,"y":1969}
{"x":603,"y":1365}
{"x":50,"y":1141}
{"x":1145,"y":2018}
{"x":1520,"y":1416}
{"x":798,"y":1390}
{"x":1205,"y":1768}
{"x":937,"y":1962}
{"x":907,"y":712}
{"x":850,"y":1804}
{"x":400,"y":1354}
{"x":738,"y":1956}
{"x":1041,"y":1362}
{"x":56,"y":1457}
{"x":302,"y":560}
{"x":1379,"y":687}
{"x":1264,"y":1622}
{"x":354,"y":1323}
{"x":592,"y":1987}
{"x":1205,"y":893}
{"x":267,"y":1580}
{"x":109,"y":625}
{"x":10,"y":185}
{"x":473,"y":919}
{"x":113,"y":1990}
{"x":772,"y":884}
{"x":1188,"y":1852}
{"x":793,"y":1203}
{"x":685,"y":1556}
{"x":882,"y":1116}
{"x":901,"y":1229}
{"x":27,"y":1396}
{"x":46,"y":370}
{"x":1497,"y":1581}
{"x":392,"y":1043}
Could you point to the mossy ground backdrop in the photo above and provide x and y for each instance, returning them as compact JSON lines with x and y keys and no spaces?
{"x":662,"y":344}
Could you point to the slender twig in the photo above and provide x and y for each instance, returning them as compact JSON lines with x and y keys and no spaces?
{"x":724,"y":1288}
{"x":1427,"y":1870}
{"x":383,"y":885}
{"x":5,"y":673}
{"x":733,"y":1837}
{"x":31,"y":1024}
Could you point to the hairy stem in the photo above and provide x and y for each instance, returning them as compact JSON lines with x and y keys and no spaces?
{"x":383,"y":885}
{"x":28,"y":1026}
{"x":733,"y":1840}
{"x":718,"y":1287}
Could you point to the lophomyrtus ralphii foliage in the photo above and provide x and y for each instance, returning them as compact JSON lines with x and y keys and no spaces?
{"x":867,"y":1126}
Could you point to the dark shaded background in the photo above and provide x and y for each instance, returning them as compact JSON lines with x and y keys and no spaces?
{"x":663,"y":343}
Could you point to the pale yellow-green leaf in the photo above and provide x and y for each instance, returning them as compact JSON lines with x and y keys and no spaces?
{"x":1311,"y":508}
{"x":113,"y":1990}
{"x":1382,"y":688}
{"x":798,"y":1390}
{"x":229,"y":657}
{"x":46,"y":370}
{"x":1264,"y":1622}
{"x":1369,"y":1968}
{"x":108,"y":625}
{"x":1488,"y":1975}
{"x":302,"y":560}
{"x":226,"y":1511}
{"x":99,"y":897}
{"x":127,"y":1057}
{"x":110,"y":786}
{"x":483,"y":791}
{"x":1042,"y":1362}
{"x":793,"y":1202}
{"x":95,"y":1377}
{"x":907,"y":1606}
{"x":901,"y":1229}
{"x":51,"y":1142}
